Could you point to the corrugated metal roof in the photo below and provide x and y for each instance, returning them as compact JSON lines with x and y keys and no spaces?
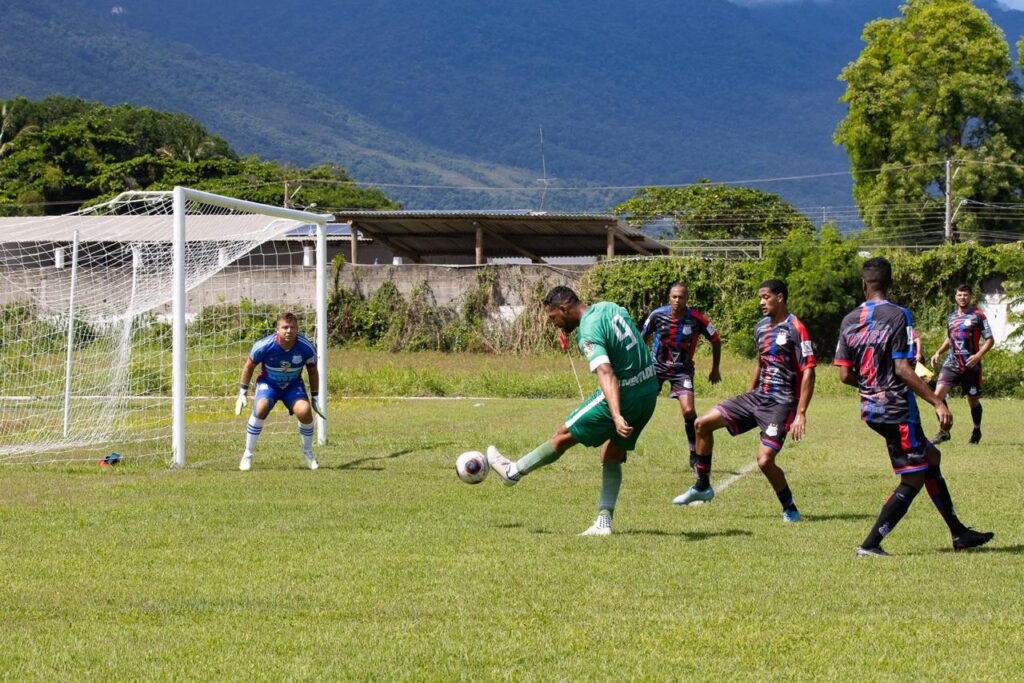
{"x":504,"y":233}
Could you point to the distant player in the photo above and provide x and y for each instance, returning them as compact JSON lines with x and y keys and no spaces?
{"x":966,"y":327}
{"x":874,"y":355}
{"x":780,"y":391}
{"x":283,"y":355}
{"x":614,"y":415}
{"x":676,"y":329}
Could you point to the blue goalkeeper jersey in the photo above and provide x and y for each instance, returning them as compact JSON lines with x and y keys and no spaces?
{"x":282,"y":367}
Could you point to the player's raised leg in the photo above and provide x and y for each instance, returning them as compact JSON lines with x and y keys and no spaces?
{"x":546,"y":453}
{"x":706,"y":426}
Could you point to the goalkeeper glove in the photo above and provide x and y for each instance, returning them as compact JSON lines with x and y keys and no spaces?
{"x":243,"y":398}
{"x":316,"y":407}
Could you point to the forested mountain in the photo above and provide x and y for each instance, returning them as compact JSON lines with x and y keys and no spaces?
{"x":453,"y":92}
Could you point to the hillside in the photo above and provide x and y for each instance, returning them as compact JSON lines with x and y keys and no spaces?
{"x":454,"y":91}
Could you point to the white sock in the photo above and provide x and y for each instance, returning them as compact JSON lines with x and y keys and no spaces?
{"x":306,"y":432}
{"x":252,"y":433}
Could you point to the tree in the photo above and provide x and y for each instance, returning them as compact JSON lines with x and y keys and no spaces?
{"x":60,"y":153}
{"x":708,"y":211}
{"x":931,"y":85}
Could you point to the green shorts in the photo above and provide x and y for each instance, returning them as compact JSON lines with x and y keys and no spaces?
{"x":591,"y":424}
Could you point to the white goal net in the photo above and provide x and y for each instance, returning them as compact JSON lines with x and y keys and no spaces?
{"x":123,"y":327}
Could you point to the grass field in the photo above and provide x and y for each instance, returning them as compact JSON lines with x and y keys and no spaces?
{"x":383,"y":566}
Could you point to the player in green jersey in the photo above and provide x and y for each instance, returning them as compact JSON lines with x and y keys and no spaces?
{"x":614,"y":415}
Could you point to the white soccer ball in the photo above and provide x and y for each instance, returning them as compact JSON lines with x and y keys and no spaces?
{"x":472,"y":467}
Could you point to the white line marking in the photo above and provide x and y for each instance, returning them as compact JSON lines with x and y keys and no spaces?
{"x":747,"y":469}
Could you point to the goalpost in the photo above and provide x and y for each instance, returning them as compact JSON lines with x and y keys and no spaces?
{"x":123,"y":326}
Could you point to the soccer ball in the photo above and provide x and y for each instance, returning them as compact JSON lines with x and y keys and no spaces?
{"x":472,"y":467}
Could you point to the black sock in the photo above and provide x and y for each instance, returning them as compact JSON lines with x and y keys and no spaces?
{"x":703,"y":472}
{"x":939,"y":493}
{"x":891,"y":514}
{"x":786,"y":498}
{"x":691,"y":435}
{"x":976,"y":415}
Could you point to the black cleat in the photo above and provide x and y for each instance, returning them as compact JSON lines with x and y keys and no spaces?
{"x":971,"y":539}
{"x":941,"y":437}
{"x":975,"y":436}
{"x":872,"y":552}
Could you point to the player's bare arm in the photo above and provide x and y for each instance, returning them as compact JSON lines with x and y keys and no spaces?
{"x":715,"y":376}
{"x":940,"y":351}
{"x":756,"y":375}
{"x":906,"y":373}
{"x":847,"y":375}
{"x":976,"y":358}
{"x":799,"y":425}
{"x":610,"y":388}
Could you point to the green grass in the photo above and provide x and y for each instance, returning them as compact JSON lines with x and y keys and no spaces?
{"x":383,"y":566}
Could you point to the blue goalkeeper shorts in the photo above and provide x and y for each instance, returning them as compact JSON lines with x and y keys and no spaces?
{"x":296,"y":391}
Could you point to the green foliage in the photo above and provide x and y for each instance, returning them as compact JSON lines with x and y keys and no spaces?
{"x":707,"y":211}
{"x":244,"y":322}
{"x":63,"y":151}
{"x":823,"y":274}
{"x":931,"y":85}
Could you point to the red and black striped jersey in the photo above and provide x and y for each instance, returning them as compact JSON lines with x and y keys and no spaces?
{"x":675,"y":339}
{"x":965,"y":331}
{"x":784,"y":352}
{"x":871,"y":338}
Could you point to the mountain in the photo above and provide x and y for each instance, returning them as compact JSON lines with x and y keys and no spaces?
{"x":454,"y":92}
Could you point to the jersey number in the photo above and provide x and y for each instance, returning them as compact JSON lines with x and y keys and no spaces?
{"x":623,"y":331}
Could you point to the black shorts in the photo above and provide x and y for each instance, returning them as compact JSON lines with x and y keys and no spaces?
{"x":968,"y":379}
{"x":679,"y":383}
{"x":754,"y":409}
{"x":906,"y":443}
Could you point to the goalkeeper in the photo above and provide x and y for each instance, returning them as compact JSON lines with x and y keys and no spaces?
{"x":283,"y":355}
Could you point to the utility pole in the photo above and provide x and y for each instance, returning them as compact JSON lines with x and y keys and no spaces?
{"x":949,"y":201}
{"x":286,"y":189}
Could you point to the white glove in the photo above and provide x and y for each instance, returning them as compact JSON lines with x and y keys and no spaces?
{"x":243,"y":399}
{"x":316,"y":407}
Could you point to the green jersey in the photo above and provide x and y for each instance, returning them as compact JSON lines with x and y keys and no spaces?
{"x":608,"y":335}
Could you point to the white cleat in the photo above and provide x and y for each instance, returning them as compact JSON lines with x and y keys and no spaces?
{"x":311,"y":462}
{"x":245,"y":464}
{"x":503,"y":466}
{"x":602,"y":526}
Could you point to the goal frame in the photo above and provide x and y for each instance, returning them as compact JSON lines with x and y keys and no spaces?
{"x":180,"y":198}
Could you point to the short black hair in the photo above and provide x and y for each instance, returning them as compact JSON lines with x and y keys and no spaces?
{"x":561,"y":296}
{"x":672,"y":286}
{"x":776,"y":287}
{"x":964,"y":287}
{"x":877,"y":272}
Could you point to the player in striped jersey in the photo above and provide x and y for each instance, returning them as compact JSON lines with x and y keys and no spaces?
{"x":874,"y":354}
{"x":966,"y":327}
{"x":676,"y":329}
{"x":780,"y":392}
{"x":282,"y":355}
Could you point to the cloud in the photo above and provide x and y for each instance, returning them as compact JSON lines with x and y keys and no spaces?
{"x":1012,"y":4}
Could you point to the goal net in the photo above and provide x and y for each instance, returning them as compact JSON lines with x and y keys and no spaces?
{"x":124,"y":326}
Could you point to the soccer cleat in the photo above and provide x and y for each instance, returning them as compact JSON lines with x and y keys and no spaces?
{"x":245,"y":464}
{"x":602,"y":526}
{"x":971,"y":539}
{"x":311,"y":462}
{"x":872,"y":552}
{"x":692,"y":495}
{"x":791,"y":515}
{"x":503,"y":466}
{"x":975,"y":436}
{"x":941,"y":437}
